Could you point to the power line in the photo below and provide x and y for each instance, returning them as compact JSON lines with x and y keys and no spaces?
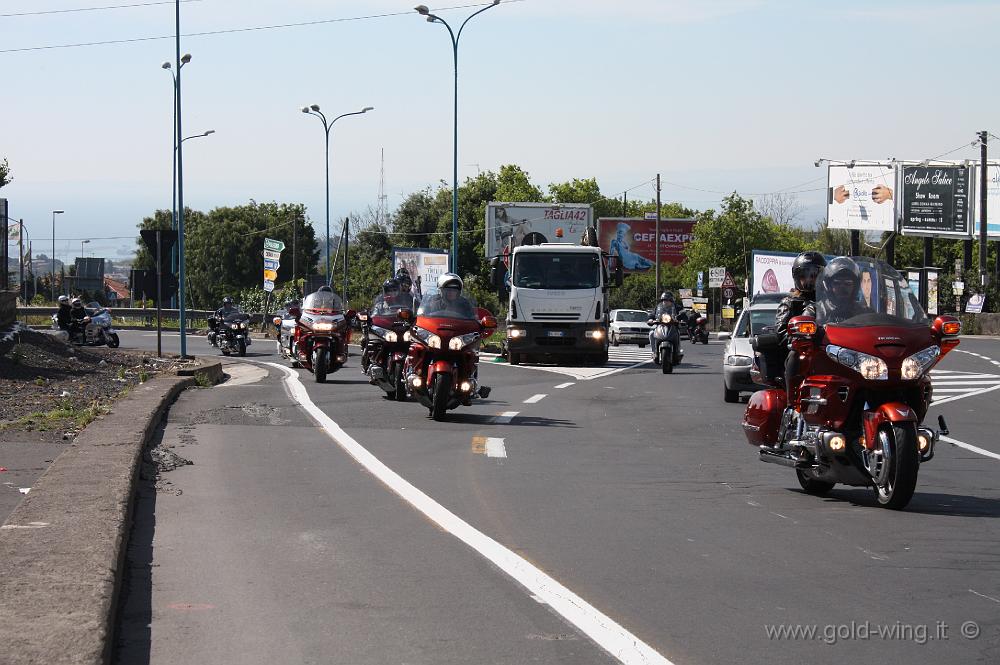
{"x":93,"y":9}
{"x":234,"y":30}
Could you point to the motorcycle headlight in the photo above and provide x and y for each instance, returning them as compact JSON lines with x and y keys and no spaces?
{"x":390,"y":336}
{"x":459,"y":343}
{"x":243,"y":325}
{"x":738,"y":361}
{"x":428,"y":338}
{"x":870,"y":367}
{"x":406,"y":336}
{"x":666,"y":318}
{"x":322,"y":327}
{"x":914,"y":366}
{"x":234,"y":326}
{"x":384,"y":333}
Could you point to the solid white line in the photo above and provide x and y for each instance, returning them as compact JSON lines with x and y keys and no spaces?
{"x":621,"y":644}
{"x":966,"y":382}
{"x":535,"y":398}
{"x":949,"y":390}
{"x":971,"y":447}
{"x":495,"y":447}
{"x":505,"y":417}
{"x":972,"y":394}
{"x":566,"y":385}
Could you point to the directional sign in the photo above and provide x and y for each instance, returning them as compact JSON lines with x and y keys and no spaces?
{"x":272,"y":255}
{"x":270,"y":275}
{"x":716,"y":277}
{"x":728,"y":282}
{"x":274,"y":245}
{"x":268,"y":285}
{"x":271,"y":264}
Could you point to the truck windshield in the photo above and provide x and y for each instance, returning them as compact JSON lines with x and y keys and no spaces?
{"x":544,"y":270}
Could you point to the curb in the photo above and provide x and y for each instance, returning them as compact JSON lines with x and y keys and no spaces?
{"x":62,"y":550}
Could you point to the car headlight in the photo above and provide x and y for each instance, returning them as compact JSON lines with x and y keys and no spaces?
{"x":462,"y":341}
{"x":870,"y":367}
{"x":594,"y":334}
{"x":738,"y":361}
{"x":322,"y":326}
{"x":666,"y":318}
{"x":914,"y":366}
{"x":516,"y":333}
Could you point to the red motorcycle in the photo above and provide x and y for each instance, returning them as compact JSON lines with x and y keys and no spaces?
{"x":865,"y":356}
{"x":387,"y":344}
{"x":318,"y":340}
{"x":442,"y":367}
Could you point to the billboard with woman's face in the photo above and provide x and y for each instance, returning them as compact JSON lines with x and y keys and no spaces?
{"x":633,"y":241}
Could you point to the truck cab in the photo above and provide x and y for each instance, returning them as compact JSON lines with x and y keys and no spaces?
{"x":558,"y":302}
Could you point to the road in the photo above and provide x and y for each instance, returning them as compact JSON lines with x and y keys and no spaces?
{"x":579,"y":515}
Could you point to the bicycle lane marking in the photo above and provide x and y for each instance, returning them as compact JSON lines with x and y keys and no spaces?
{"x":607,"y":633}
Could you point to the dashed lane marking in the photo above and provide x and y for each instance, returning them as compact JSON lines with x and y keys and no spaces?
{"x":606,"y":632}
{"x":535,"y":398}
{"x":505,"y":417}
{"x":970,"y":447}
{"x":489,"y":445}
{"x":566,"y":385}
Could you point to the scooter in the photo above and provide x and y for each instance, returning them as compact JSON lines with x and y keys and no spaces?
{"x":666,"y":342}
{"x":697,"y":329}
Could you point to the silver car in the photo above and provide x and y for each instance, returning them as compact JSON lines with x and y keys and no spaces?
{"x":738,"y":356}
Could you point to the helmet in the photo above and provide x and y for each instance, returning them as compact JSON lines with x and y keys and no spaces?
{"x":227,"y":301}
{"x":403,"y":278}
{"x":666,"y":295}
{"x":324,"y":289}
{"x":842,"y":282}
{"x":63,"y":300}
{"x":401,"y":272}
{"x":805,"y":268}
{"x":76,"y":302}
{"x":450,"y":280}
{"x":390,"y":287}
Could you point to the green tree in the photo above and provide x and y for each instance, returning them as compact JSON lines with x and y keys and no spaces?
{"x":5,"y":177}
{"x":832,"y":241}
{"x":513,"y":184}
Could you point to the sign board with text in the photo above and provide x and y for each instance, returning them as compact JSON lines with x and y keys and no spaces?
{"x":861,"y":197}
{"x":508,"y":223}
{"x":992,"y":200}
{"x":935,"y":200}
{"x":715,"y":277}
{"x":633,"y":241}
{"x":423,"y":265}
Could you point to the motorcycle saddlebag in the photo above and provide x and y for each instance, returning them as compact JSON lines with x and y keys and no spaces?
{"x":762,"y":420}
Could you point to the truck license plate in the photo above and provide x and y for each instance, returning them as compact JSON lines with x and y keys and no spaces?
{"x":556,"y":333}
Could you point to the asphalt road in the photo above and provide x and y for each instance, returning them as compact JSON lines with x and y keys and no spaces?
{"x":579,"y":515}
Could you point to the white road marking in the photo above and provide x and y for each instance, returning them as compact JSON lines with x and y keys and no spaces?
{"x":969,"y":446}
{"x":566,"y":385}
{"x":29,"y":525}
{"x":963,"y":396}
{"x":505,"y":417}
{"x":495,"y":447}
{"x":535,"y":398}
{"x":619,"y":359}
{"x":23,"y":490}
{"x":616,"y":640}
{"x":242,"y":374}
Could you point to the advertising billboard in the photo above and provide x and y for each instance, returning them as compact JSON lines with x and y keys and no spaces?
{"x":992,"y":200}
{"x":632,"y":241}
{"x":936,"y":200}
{"x":424,"y":265}
{"x":554,"y":222}
{"x":771,"y":272}
{"x":861,"y":198}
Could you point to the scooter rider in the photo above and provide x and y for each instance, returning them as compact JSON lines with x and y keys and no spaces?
{"x":78,"y":318}
{"x":665,"y":306}
{"x":64,"y":315}
{"x":800,"y":300}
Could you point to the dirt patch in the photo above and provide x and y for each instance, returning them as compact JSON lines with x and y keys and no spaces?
{"x":50,"y":390}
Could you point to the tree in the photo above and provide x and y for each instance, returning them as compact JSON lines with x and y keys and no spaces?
{"x":832,"y":241}
{"x":782,"y":208}
{"x":728,"y":237}
{"x":5,"y":177}
{"x":513,"y":184}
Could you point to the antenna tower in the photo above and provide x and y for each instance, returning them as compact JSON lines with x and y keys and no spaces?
{"x":383,"y":207}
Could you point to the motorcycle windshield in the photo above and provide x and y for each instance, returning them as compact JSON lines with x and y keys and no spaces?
{"x":326,"y":301}
{"x":390,"y":306}
{"x":236,"y":317}
{"x":446,"y":305}
{"x":861,"y":291}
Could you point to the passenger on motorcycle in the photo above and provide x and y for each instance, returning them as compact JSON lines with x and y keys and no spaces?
{"x":64,"y":315}
{"x":800,"y":300}
{"x":78,"y":318}
{"x":406,"y":296}
{"x":665,"y":306}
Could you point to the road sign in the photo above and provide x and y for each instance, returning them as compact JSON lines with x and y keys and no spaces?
{"x":272,"y":255}
{"x":268,"y":285}
{"x":270,"y":275}
{"x":274,"y":245}
{"x":975,"y":304}
{"x":728,"y":282}
{"x":728,"y":312}
{"x":271,"y":264}
{"x":715,"y":277}
{"x":728,"y":292}
{"x":701,"y":281}
{"x":650,"y":215}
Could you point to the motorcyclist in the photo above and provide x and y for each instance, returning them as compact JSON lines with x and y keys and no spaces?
{"x":63,"y":316}
{"x":449,"y":298}
{"x":407,"y":298}
{"x":801,"y":300}
{"x":227,"y":308}
{"x":664,"y":306}
{"x":78,"y":318}
{"x":841,"y":292}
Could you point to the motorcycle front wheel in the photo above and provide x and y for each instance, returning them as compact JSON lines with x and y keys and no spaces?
{"x":894,"y":472}
{"x":113,"y":341}
{"x":321,"y":364}
{"x":398,"y":381}
{"x":243,"y":347}
{"x":440,"y":396}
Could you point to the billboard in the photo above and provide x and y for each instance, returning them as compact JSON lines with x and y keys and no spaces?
{"x":556,"y":222}
{"x":935,"y":200}
{"x":861,"y":198}
{"x":992,"y":200}
{"x":771,"y":272}
{"x":424,"y":265}
{"x":632,"y":241}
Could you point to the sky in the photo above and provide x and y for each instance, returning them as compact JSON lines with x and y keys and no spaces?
{"x":715,"y":95}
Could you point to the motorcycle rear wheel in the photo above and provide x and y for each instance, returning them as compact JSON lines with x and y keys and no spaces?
{"x":113,"y":341}
{"x":896,"y":480}
{"x":321,"y":364}
{"x":440,"y":396}
{"x":811,"y":485}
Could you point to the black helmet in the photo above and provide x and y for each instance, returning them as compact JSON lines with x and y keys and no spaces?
{"x":403,"y":278}
{"x":227,"y":301}
{"x":842,"y":282}
{"x":390,"y":286}
{"x":666,"y":295}
{"x":401,"y":272}
{"x":324,"y":289}
{"x":807,"y":265}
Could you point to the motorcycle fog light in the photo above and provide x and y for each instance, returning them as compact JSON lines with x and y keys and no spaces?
{"x":923,"y":442}
{"x":837,"y":443}
{"x":416,"y":382}
{"x":465,"y":386}
{"x":390,"y":336}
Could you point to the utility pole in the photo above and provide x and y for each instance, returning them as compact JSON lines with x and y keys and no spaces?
{"x":855,"y":242}
{"x":983,"y":182}
{"x":295,"y":235}
{"x":657,"y":240}
{"x":347,"y":227}
{"x":20,"y":261}
{"x":625,"y":204}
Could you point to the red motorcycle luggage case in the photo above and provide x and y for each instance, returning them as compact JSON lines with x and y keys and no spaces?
{"x":762,"y":419}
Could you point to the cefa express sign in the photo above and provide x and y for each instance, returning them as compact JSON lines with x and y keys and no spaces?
{"x":633,"y":241}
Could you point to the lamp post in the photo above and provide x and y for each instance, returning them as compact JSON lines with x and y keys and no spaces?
{"x":52,"y":276}
{"x":432,"y":18}
{"x":186,"y":58}
{"x":82,"y":243}
{"x":313,"y":109}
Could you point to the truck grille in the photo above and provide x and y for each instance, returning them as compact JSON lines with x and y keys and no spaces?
{"x":556,"y":316}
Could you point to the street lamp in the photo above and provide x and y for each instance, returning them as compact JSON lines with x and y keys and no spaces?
{"x":198,"y":136}
{"x":82,"y":243}
{"x":53,"y":275}
{"x":431,"y":18}
{"x":313,"y":109}
{"x":186,"y":58}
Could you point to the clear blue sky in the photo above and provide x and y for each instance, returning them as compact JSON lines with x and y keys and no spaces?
{"x":716,"y":95}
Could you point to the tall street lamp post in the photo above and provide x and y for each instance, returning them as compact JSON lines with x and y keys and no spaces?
{"x":185,"y":59}
{"x":82,"y":243}
{"x":52,"y":276}
{"x":432,"y":18}
{"x":313,"y":109}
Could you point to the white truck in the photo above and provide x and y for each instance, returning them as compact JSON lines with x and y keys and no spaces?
{"x":558,"y":301}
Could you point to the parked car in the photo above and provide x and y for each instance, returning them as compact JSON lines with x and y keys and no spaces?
{"x":738,"y":356}
{"x":629,"y":326}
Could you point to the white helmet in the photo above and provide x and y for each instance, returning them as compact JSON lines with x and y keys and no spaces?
{"x":450,"y":280}
{"x":63,"y":300}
